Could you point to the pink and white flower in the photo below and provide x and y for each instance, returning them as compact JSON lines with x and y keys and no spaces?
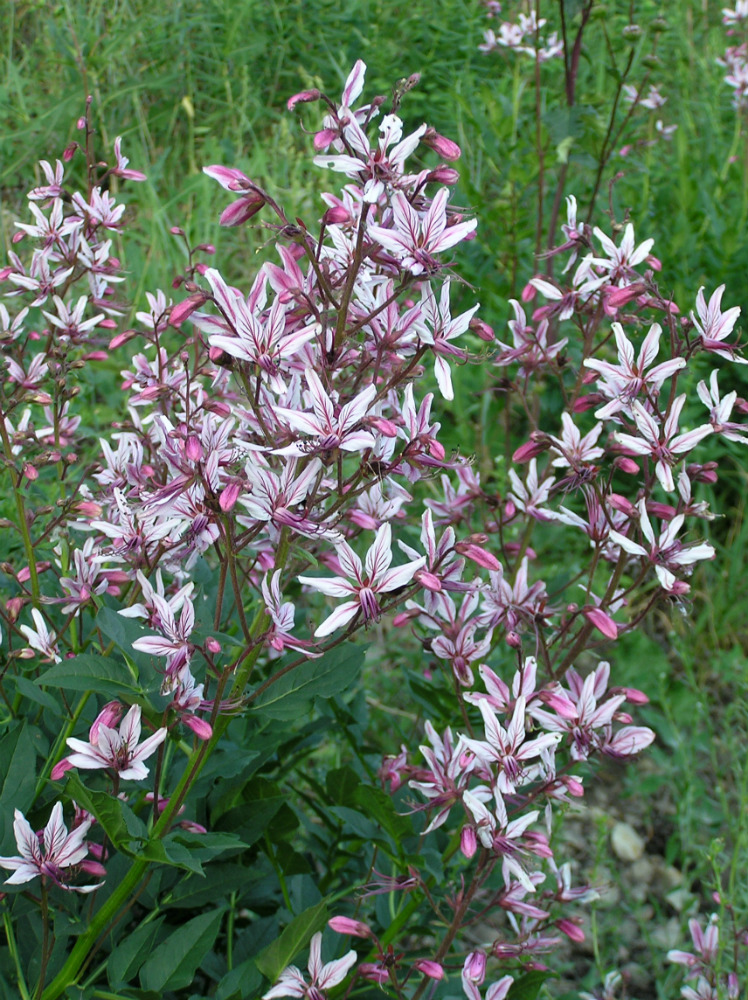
{"x":362,"y":584}
{"x":48,"y":854}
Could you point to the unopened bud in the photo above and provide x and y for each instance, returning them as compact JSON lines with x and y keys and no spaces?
{"x":632,"y":33}
{"x":570,"y":929}
{"x":446,"y":148}
{"x":431,"y":969}
{"x":346,"y":925}
{"x":443,"y":175}
{"x":468,"y":842}
{"x":303,"y":97}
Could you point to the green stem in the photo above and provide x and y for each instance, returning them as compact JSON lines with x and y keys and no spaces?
{"x":60,"y":743}
{"x":13,"y":949}
{"x":23,"y":524}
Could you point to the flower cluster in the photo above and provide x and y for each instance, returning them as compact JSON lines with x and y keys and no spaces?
{"x":277,"y":427}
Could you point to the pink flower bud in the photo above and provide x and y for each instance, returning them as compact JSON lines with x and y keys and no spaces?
{"x":528,"y":293}
{"x":91,"y":867}
{"x":191,"y":826}
{"x":193,"y":449}
{"x":585,"y":403}
{"x":654,"y":262}
{"x":384,"y":426}
{"x":182,"y":310}
{"x":229,"y":496}
{"x":401,"y":620}
{"x":530,"y":449}
{"x":346,"y":925}
{"x":513,"y":640}
{"x":468,"y":841}
{"x":200,"y":727}
{"x":121,"y":339}
{"x":574,"y":786}
{"x":626,"y":464}
{"x":303,"y":97}
{"x":13,"y":607}
{"x":634,"y":695}
{"x":70,"y":151}
{"x":446,"y":148}
{"x":482,"y":330}
{"x":109,"y":716}
{"x":443,"y":175}
{"x":665,"y":511}
{"x":335,"y":216}
{"x":30,"y":471}
{"x":478,"y":555}
{"x":212,"y":645}
{"x":618,"y":502}
{"x":474,"y":968}
{"x":241,"y":210}
{"x":431,"y":969}
{"x":570,"y":929}
{"x":618,"y":297}
{"x":602,"y":622}
{"x":428,"y":580}
{"x":81,"y":123}
{"x":60,"y":768}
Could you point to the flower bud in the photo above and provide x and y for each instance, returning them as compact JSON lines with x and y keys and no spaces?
{"x":109,"y":717}
{"x":228,"y":497}
{"x":443,"y":175}
{"x":513,"y":639}
{"x":200,"y":727}
{"x":602,"y":622}
{"x":303,"y":97}
{"x":431,"y":969}
{"x":570,"y":929}
{"x":474,"y":969}
{"x":482,"y":329}
{"x":182,"y":310}
{"x":60,"y":768}
{"x":468,"y":841}
{"x":346,"y":925}
{"x":446,"y":148}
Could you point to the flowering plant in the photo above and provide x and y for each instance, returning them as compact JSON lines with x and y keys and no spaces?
{"x":275,"y":444}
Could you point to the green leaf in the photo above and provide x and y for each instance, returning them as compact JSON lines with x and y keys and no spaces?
{"x":241,"y":983}
{"x":342,"y":784}
{"x":220,"y":880}
{"x":173,"y":964}
{"x":528,"y":986}
{"x":272,"y":960}
{"x":89,"y":672}
{"x":128,"y":957}
{"x":117,"y":820}
{"x":30,"y":690}
{"x":378,"y":806}
{"x":292,"y":694}
{"x":169,"y":852}
{"x":17,"y":776}
{"x":123,"y":632}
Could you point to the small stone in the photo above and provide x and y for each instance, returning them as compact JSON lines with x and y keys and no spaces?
{"x":626,"y":842}
{"x":679,"y":899}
